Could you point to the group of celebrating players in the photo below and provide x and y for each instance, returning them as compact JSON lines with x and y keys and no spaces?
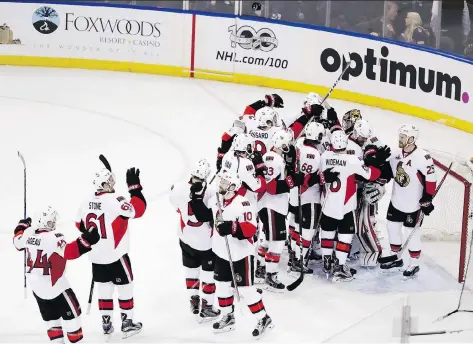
{"x":313,"y":186}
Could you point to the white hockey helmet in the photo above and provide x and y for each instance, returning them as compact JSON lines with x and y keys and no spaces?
{"x":362,"y":129}
{"x":408,"y":135}
{"x":47,"y":219}
{"x":104,"y":181}
{"x":201,"y":170}
{"x":229,"y":182}
{"x":310,"y":96}
{"x":282,"y":140}
{"x":267,"y":117}
{"x":314,"y":131}
{"x":243,"y":143}
{"x":339,"y":140}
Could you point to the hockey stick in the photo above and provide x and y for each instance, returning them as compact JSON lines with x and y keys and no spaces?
{"x":25,"y":290}
{"x":230,"y":261}
{"x":92,"y":283}
{"x":349,"y":63}
{"x":439,"y":332}
{"x":398,"y":255}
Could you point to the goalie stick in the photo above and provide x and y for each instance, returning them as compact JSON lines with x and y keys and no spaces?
{"x":25,"y":290}
{"x":398,"y":255}
{"x":92,"y":283}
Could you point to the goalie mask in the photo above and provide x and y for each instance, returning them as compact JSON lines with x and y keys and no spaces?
{"x":408,"y":135}
{"x":47,"y":219}
{"x":349,"y":119}
{"x":201,"y":170}
{"x":229,"y":184}
{"x":104,"y":181}
{"x":267,"y":118}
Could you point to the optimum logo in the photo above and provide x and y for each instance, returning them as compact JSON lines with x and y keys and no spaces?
{"x":396,"y":73}
{"x":45,"y":20}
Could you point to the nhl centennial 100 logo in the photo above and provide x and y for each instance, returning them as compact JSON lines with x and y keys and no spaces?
{"x":248,"y":38}
{"x":45,"y":20}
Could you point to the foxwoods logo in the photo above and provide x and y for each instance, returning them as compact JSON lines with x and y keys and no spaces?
{"x":248,"y":38}
{"x":121,"y":26}
{"x":396,"y":73}
{"x":45,"y":20}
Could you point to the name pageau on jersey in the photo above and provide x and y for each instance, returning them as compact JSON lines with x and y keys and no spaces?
{"x":275,"y":166}
{"x":341,"y":195}
{"x":110,"y":213}
{"x":192,"y":232}
{"x":412,"y":173}
{"x":238,"y":209}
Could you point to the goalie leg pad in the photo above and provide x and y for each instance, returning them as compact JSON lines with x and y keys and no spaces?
{"x":371,"y":248}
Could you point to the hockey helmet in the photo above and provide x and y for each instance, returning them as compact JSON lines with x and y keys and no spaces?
{"x":201,"y":170}
{"x":362,"y":130}
{"x":47,"y":219}
{"x":267,"y":117}
{"x":229,"y":182}
{"x":339,"y":140}
{"x":408,"y":135}
{"x":314,"y":131}
{"x":243,"y":143}
{"x":104,"y":181}
{"x":282,"y":140}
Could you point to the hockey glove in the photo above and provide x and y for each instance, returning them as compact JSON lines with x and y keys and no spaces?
{"x":274,"y":100}
{"x":332,"y":116}
{"x":426,"y":204}
{"x":198,"y":190}
{"x":329,"y":176}
{"x":22,"y":226}
{"x":220,"y":155}
{"x":224,"y":228}
{"x":257,"y":160}
{"x":372,"y":192}
{"x":290,"y":159}
{"x":133,"y":181}
{"x":294,"y":180}
{"x":383,"y":153}
{"x":313,"y":110}
{"x":87,"y":239}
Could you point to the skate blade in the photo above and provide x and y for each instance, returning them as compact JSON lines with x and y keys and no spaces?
{"x":131,"y":333}
{"x":201,"y":320}
{"x":225,"y":329}
{"x":259,"y":280}
{"x":391,"y":271}
{"x":270,"y":326}
{"x":338,"y":279}
{"x":408,"y":278}
{"x":315,"y":262}
{"x":273,"y":290}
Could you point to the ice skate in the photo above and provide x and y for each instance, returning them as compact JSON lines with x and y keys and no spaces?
{"x":129,"y":328}
{"x":296,"y":267}
{"x":391,"y":266}
{"x":260,"y":273}
{"x":341,"y":273}
{"x":226,"y":322}
{"x":327,"y":268}
{"x":273,"y":284}
{"x":195,"y":301}
{"x":411,"y":272}
{"x":107,"y":326}
{"x":207,"y":312}
{"x":261,"y":326}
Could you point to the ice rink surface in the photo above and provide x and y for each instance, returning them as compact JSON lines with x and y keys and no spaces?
{"x":61,"y":120}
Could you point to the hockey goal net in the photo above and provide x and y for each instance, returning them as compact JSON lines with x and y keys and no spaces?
{"x":452,"y":219}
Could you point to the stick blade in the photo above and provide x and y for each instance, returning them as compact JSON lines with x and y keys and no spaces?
{"x":22,"y":159}
{"x":296,"y":283}
{"x":105,"y":162}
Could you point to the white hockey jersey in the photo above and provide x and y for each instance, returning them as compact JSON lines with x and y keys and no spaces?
{"x":354,"y":148}
{"x":275,"y":171}
{"x":341,"y":194}
{"x":46,"y":262}
{"x":246,"y":172}
{"x":236,"y":209}
{"x":412,"y":173}
{"x":110,"y":214}
{"x":196,"y":234}
{"x":263,"y":142}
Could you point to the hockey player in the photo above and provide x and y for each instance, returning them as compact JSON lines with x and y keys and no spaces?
{"x":111,"y":266}
{"x":273,"y":206}
{"x":234,"y":219}
{"x":47,"y":253}
{"x":349,"y":119}
{"x":339,"y":205}
{"x":310,"y":164}
{"x":414,"y":185}
{"x":195,"y":240}
{"x":246,"y":122}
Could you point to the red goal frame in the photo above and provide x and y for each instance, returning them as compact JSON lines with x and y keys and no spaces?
{"x":465,"y":217}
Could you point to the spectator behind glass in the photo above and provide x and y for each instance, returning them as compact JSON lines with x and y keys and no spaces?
{"x":412,"y":22}
{"x":375,"y":26}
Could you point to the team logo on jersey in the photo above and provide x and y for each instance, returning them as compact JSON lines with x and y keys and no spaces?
{"x":45,"y":20}
{"x":248,"y":38}
{"x":402,"y":178}
{"x":238,"y":278}
{"x":61,"y":243}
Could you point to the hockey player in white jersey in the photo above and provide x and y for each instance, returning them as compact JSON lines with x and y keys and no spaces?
{"x":195,"y":240}
{"x":47,"y":253}
{"x":339,"y":205}
{"x":248,"y":164}
{"x":413,"y":171}
{"x":111,"y":266}
{"x":234,"y":219}
{"x":273,"y":205}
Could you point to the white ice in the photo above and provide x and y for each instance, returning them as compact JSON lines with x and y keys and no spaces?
{"x":61,"y":120}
